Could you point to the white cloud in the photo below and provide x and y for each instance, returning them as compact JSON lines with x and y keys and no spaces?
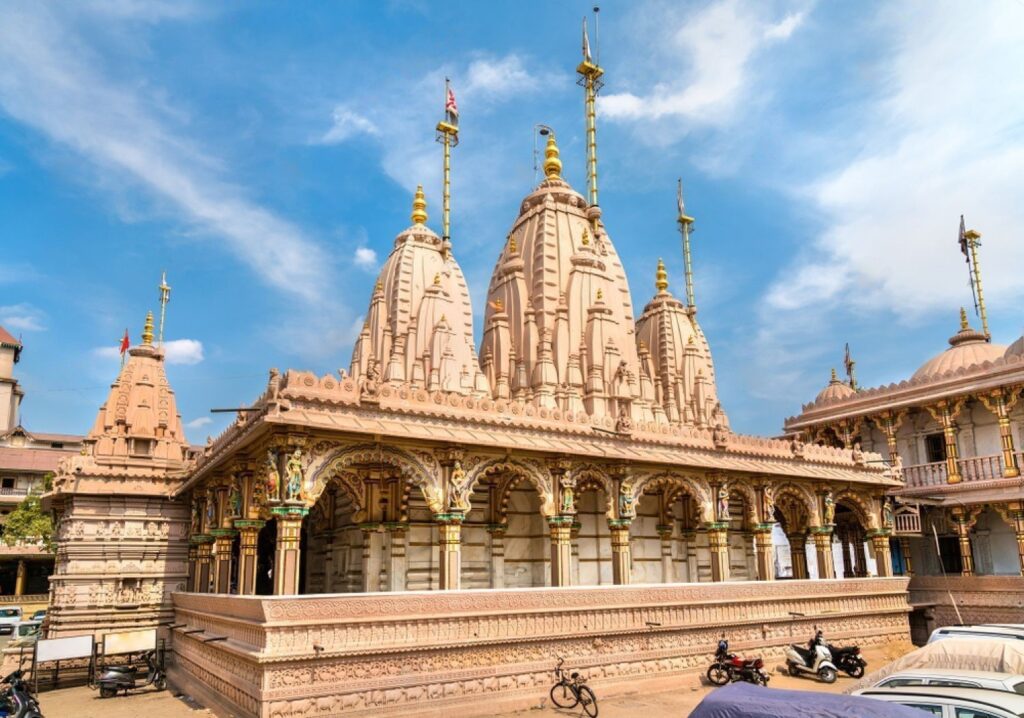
{"x":22,"y":317}
{"x":365,"y":258}
{"x":111,"y":352}
{"x":199,"y":423}
{"x":490,"y":78}
{"x":51,"y":80}
{"x":183,"y":351}
{"x":785,"y":27}
{"x":347,"y":124}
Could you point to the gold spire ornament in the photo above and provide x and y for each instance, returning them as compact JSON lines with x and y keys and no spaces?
{"x":685,"y":227}
{"x":964,"y":326}
{"x":969,"y":246}
{"x":552,"y":165}
{"x":165,"y":297}
{"x":448,"y":136}
{"x":661,"y":278}
{"x":419,"y":206}
{"x":590,"y":80}
{"x":147,"y":330}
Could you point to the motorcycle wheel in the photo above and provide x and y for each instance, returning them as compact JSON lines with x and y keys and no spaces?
{"x":855,"y":671}
{"x":763,"y":678}
{"x":827,"y":675}
{"x":108,"y":691}
{"x":160,"y":683}
{"x":718,"y":674}
{"x":792,"y":669}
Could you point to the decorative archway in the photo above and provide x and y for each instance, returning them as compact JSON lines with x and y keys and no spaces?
{"x":750,"y":502}
{"x":698,"y":488}
{"x":798,"y":506}
{"x":860,"y":506}
{"x":417,"y":468}
{"x":590,"y":477}
{"x":517,"y":473}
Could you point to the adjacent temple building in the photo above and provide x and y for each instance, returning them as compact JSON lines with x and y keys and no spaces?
{"x":436,"y":524}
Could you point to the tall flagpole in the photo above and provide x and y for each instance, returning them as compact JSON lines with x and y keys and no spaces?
{"x":973,"y":243}
{"x":590,"y":80}
{"x":685,"y":227}
{"x":165,"y":297}
{"x":448,"y":136}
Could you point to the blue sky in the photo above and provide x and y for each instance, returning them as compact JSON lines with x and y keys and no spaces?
{"x":265,"y":157}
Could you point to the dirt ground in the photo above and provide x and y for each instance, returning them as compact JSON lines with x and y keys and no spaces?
{"x":667,"y":697}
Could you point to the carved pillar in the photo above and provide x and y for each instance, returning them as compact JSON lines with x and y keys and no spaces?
{"x":889,"y":422}
{"x":287,"y":555}
{"x":575,"y":538}
{"x":945,"y":413}
{"x":908,"y":569}
{"x":373,"y":543}
{"x":665,"y":533}
{"x":883,"y":556}
{"x":1001,"y":402}
{"x":561,"y":550}
{"x":248,"y":538}
{"x":689,"y":539}
{"x":19,"y":580}
{"x":963,"y":520}
{"x":823,"y":552}
{"x":622,"y":560}
{"x":192,"y":553}
{"x":860,"y":561}
{"x":764,"y":553}
{"x":844,"y":540}
{"x":497,"y":532}
{"x":398,"y":565}
{"x":449,"y":529}
{"x":798,"y":554}
{"x":204,"y":557}
{"x":223,"y":540}
{"x":718,"y":537}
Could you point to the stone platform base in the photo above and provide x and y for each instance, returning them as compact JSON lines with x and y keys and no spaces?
{"x":400,"y":653}
{"x":978,"y":599}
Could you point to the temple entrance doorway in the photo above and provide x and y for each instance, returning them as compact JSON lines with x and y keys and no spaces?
{"x":341,"y":554}
{"x":266,"y":543}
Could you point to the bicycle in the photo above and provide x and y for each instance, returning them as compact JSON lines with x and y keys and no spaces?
{"x":572,"y":691}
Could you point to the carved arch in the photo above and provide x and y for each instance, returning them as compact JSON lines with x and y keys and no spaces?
{"x":698,"y":488}
{"x":592,"y":476}
{"x":802,"y":497}
{"x":517,"y":471}
{"x":862,"y":508}
{"x":750,"y":501}
{"x":419,"y":468}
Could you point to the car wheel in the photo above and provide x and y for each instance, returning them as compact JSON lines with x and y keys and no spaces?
{"x":827,"y":674}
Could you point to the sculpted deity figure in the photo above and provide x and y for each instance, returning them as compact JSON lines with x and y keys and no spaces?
{"x":211,"y":513}
{"x":897,"y":468}
{"x":371,"y":380}
{"x":797,"y":447}
{"x":627,"y":504}
{"x":273,"y":480}
{"x":293,"y":470}
{"x":887,"y":514}
{"x":195,"y":527}
{"x":459,"y":488}
{"x":858,"y":454}
{"x":624,"y":425}
{"x":830,"y":509}
{"x":723,"y":504}
{"x":568,"y":496}
{"x":719,"y":436}
{"x":768,"y":504}
{"x":432,"y":495}
{"x":235,"y":500}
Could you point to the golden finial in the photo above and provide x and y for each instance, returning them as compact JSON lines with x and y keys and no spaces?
{"x":585,"y":239}
{"x":963,"y":319}
{"x":552,"y":165}
{"x":437,"y":279}
{"x":600,"y":295}
{"x":835,"y":377}
{"x":499,"y":305}
{"x":419,"y":206}
{"x":512,"y":246}
{"x":661,"y":277}
{"x":147,"y":330}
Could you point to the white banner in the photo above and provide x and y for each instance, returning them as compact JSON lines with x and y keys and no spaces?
{"x":61,"y":649}
{"x":129,"y":642}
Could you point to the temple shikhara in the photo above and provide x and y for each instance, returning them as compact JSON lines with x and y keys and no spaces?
{"x":433,"y":525}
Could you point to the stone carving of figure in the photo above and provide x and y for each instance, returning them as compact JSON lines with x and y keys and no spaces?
{"x":797,"y":447}
{"x":195,"y":528}
{"x":235,"y":501}
{"x":273,"y":480}
{"x":432,"y":496}
{"x":627,"y":504}
{"x":768,"y":504}
{"x":723,"y":504}
{"x":887,"y":515}
{"x":293,"y":470}
{"x":720,"y":436}
{"x":568,"y":496}
{"x":371,"y":380}
{"x":211,"y":513}
{"x":897,"y":468}
{"x":624,"y":425}
{"x":830,"y":508}
{"x":459,"y":488}
{"x":858,"y":454}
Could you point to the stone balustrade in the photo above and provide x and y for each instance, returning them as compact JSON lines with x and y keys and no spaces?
{"x":975,"y":468}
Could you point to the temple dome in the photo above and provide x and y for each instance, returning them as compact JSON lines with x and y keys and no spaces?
{"x":558,"y":328}
{"x":675,"y":356}
{"x":419,"y":326}
{"x":1016,"y":349}
{"x":835,"y":391}
{"x":967,"y":348}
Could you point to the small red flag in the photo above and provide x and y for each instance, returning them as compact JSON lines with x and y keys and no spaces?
{"x":450,"y":106}
{"x":124,"y":343}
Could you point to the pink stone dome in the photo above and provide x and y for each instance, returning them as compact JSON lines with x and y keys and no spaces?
{"x":835,"y":391}
{"x":967,"y":348}
{"x":1016,"y":349}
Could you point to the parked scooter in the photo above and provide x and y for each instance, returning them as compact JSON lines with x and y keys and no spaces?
{"x":17,"y":700}
{"x":848,"y":660}
{"x":117,"y":678}
{"x":816,"y":659}
{"x":729,"y":667}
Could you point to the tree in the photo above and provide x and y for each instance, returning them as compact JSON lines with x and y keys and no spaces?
{"x":28,"y":523}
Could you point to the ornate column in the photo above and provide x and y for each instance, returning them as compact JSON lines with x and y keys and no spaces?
{"x":192,"y":553}
{"x":718,"y":538}
{"x":665,"y":533}
{"x":622,"y":560}
{"x":764,"y":553}
{"x":860,"y":558}
{"x":248,"y":538}
{"x":561,"y":550}
{"x":575,"y":538}
{"x":963,"y":521}
{"x":889,"y":423}
{"x":1001,"y":402}
{"x":449,"y":529}
{"x":497,"y":533}
{"x":1013,"y":513}
{"x":689,"y":540}
{"x":905,"y":550}
{"x":823,"y":551}
{"x":844,"y":540}
{"x":204,"y":558}
{"x":373,"y":545}
{"x":287,"y":555}
{"x":883,"y":556}
{"x":19,"y":580}
{"x":798,"y":554}
{"x":223,"y":540}
{"x":945,"y":413}
{"x":397,"y":561}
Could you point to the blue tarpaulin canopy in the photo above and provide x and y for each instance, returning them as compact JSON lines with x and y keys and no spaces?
{"x":744,"y":700}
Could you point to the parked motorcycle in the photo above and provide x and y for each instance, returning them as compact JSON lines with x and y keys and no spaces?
{"x":118,"y":678}
{"x":816,"y":659}
{"x":729,"y":667}
{"x":16,"y":699}
{"x":848,"y":660}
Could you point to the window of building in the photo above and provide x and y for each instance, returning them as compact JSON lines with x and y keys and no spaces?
{"x":57,"y":445}
{"x":7,"y":483}
{"x":140,"y":447}
{"x":935,"y":448}
{"x":949,"y":547}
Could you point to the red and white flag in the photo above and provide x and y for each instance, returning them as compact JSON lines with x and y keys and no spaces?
{"x":125,"y":342}
{"x":450,"y":105}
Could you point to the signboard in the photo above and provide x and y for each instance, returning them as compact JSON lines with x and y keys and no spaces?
{"x":61,"y":649}
{"x":129,"y":642}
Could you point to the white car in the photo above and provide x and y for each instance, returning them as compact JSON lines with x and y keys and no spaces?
{"x":9,"y":618}
{"x":1009,"y":631}
{"x":951,"y":702}
{"x":954,"y":677}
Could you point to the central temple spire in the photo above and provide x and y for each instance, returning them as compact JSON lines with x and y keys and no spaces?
{"x":590,"y":80}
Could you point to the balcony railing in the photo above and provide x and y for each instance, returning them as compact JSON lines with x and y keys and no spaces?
{"x":976,"y":468}
{"x":13,"y":492}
